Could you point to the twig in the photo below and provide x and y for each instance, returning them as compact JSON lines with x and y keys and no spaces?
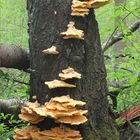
{"x":119,"y":36}
{"x":136,"y":131}
{"x":132,"y":12}
{"x":117,"y":28}
{"x":21,"y":82}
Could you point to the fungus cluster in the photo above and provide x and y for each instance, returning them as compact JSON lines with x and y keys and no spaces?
{"x":72,"y":32}
{"x":57,"y":133}
{"x":28,"y":113}
{"x":25,"y":133}
{"x":62,"y":109}
{"x":66,"y":74}
{"x":81,"y":8}
{"x":69,"y":73}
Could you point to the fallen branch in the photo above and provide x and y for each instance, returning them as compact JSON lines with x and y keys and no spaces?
{"x":12,"y":56}
{"x":119,"y":36}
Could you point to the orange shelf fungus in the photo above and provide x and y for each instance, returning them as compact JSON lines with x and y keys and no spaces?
{"x":28,"y":114}
{"x":63,"y":109}
{"x":60,"y":133}
{"x":51,"y":50}
{"x":67,"y":101}
{"x":96,"y":3}
{"x":73,"y":120}
{"x":69,"y":73}
{"x":24,"y":133}
{"x":57,"y":133}
{"x":58,"y":84}
{"x":79,"y":8}
{"x":72,"y":32}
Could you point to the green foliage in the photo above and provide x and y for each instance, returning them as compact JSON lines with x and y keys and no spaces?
{"x":8,"y":124}
{"x":123,"y":70}
{"x":13,"y":22}
{"x":13,"y":84}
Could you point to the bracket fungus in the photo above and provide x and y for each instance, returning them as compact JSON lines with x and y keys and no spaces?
{"x":28,"y":113}
{"x":67,"y":101}
{"x":25,"y":133}
{"x":57,"y":133}
{"x":60,"y":133}
{"x":79,"y":8}
{"x":58,"y":84}
{"x":63,"y":110}
{"x":96,"y":3}
{"x":69,"y":73}
{"x":51,"y":50}
{"x":72,"y":32}
{"x":73,"y":120}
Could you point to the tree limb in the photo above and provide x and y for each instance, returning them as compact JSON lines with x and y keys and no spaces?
{"x":119,"y":36}
{"x":12,"y":56}
{"x":136,"y":131}
{"x":11,"y":106}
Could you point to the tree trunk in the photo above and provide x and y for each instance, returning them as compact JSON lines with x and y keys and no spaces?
{"x":47,"y":19}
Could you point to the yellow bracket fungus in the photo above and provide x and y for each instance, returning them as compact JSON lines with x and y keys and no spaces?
{"x":69,"y":73}
{"x":51,"y":50}
{"x":58,"y":84}
{"x":72,"y":32}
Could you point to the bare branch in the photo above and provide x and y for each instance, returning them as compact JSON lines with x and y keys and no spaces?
{"x":12,"y":56}
{"x":119,"y":36}
{"x":136,"y":131}
{"x":11,"y":106}
{"x":21,"y":82}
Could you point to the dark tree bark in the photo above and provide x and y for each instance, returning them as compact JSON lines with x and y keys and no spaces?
{"x":12,"y":56}
{"x":47,"y":19}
